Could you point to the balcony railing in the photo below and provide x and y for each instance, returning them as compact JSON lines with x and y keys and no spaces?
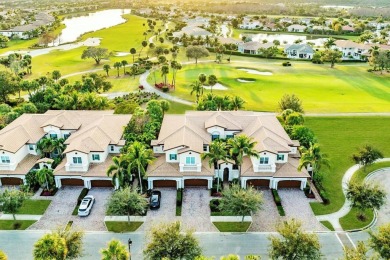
{"x":265,"y":168}
{"x":189,"y":168}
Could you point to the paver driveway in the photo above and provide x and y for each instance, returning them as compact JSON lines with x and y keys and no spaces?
{"x":383,"y":178}
{"x":196,"y":210}
{"x":60,"y":209}
{"x":297,"y":206}
{"x":95,"y":220}
{"x":166,"y":212}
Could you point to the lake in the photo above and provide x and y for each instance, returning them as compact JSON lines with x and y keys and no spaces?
{"x":284,"y":39}
{"x":77,"y":26}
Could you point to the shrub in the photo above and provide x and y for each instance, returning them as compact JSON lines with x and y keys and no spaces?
{"x":286,"y":64}
{"x":324,"y":197}
{"x":165,"y":89}
{"x":281,"y":211}
{"x":214,"y":205}
{"x":370,"y":70}
{"x":16,"y":225}
{"x":83,"y":193}
{"x":179,"y":197}
{"x":277,"y":199}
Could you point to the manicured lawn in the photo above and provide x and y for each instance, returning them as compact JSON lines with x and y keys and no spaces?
{"x":232,"y":226}
{"x":351,"y":221}
{"x":120,"y":227}
{"x":339,"y":138}
{"x":346,"y":88}
{"x":362,"y":173}
{"x":328,"y":225}
{"x":178,"y":108}
{"x":11,"y":224}
{"x":34,"y":207}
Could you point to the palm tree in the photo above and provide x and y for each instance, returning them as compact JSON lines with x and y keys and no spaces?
{"x":106,"y":68}
{"x":164,"y":72}
{"x":197,"y":88}
{"x":175,"y":67}
{"x":115,"y":251}
{"x":237,"y":103}
{"x":124,"y":63}
{"x":374,"y":51}
{"x":45,"y":177}
{"x":144,"y":44}
{"x":217,"y":153}
{"x":212,"y":80}
{"x":202,"y":78}
{"x":164,"y":104}
{"x":139,"y":156}
{"x":47,"y":146}
{"x":329,"y":43}
{"x":312,"y":157}
{"x":119,"y":169}
{"x":133,"y":51}
{"x":239,"y":146}
{"x":117,"y":65}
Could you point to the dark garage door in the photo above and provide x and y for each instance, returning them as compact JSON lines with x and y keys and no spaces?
{"x":258,"y":183}
{"x":11,"y":181}
{"x":289,"y":184}
{"x":72,"y":182}
{"x":195,"y":182}
{"x":164,"y":183}
{"x":101,"y":183}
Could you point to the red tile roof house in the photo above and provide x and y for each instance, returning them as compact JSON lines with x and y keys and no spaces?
{"x":92,"y":139}
{"x":183,"y":138}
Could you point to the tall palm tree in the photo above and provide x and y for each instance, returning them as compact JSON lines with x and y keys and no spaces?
{"x":115,"y":251}
{"x":119,"y":169}
{"x":117,"y":65}
{"x":312,"y":157}
{"x":48,"y":146}
{"x":374,"y":51}
{"x":144,"y":44}
{"x":139,"y":157}
{"x":237,"y":103}
{"x":202,"y":78}
{"x":133,"y":51}
{"x":175,"y":67}
{"x":124,"y":63}
{"x":197,"y":88}
{"x":164,"y":72}
{"x":212,"y":80}
{"x":239,"y":146}
{"x":45,"y":177}
{"x":218,"y":152}
{"x":329,"y":43}
{"x":106,"y":68}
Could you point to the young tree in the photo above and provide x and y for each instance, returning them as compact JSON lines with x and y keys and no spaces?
{"x":167,"y":241}
{"x":380,"y":241}
{"x":95,"y":53}
{"x":139,"y":157}
{"x":106,"y":68}
{"x":239,"y":146}
{"x":196,"y":52}
{"x":304,"y":135}
{"x":292,"y":243}
{"x":126,"y":201}
{"x":59,"y":244}
{"x":56,"y":75}
{"x":115,"y":251}
{"x":12,"y":200}
{"x":291,"y":102}
{"x":243,"y":202}
{"x":332,"y":56}
{"x":365,"y":196}
{"x":218,"y":152}
{"x":367,"y":155}
{"x":358,"y":253}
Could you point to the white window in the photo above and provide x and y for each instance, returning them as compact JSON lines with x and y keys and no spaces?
{"x":31,"y":147}
{"x":264,"y":160}
{"x":173,"y":157}
{"x":190,"y":160}
{"x":95,"y":157}
{"x":205,"y":148}
{"x":112,"y":148}
{"x":280,"y":157}
{"x":53,"y":136}
{"x":5,"y":159}
{"x":66,"y":136}
{"x":77,"y":160}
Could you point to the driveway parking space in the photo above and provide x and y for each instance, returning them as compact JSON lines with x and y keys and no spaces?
{"x":60,"y":209}
{"x":196,"y":210}
{"x":95,"y":220}
{"x":297,"y":206}
{"x":166,"y":212}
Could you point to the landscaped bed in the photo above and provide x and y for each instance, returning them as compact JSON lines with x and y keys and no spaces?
{"x":122,"y":226}
{"x":232,"y":226}
{"x":351,"y":221}
{"x":15,"y":224}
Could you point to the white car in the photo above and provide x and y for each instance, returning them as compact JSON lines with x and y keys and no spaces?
{"x":86,"y":206}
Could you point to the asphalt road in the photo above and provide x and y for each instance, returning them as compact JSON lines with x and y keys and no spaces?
{"x":19,"y":244}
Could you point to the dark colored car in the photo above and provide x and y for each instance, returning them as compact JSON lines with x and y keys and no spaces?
{"x":155,"y":199}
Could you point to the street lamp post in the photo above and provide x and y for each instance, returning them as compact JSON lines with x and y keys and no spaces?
{"x":130,"y":242}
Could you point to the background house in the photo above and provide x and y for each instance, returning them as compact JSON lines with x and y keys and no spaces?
{"x":299,"y":51}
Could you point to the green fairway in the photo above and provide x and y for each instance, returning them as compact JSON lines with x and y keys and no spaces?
{"x":339,"y":138}
{"x":34,"y":207}
{"x":347,"y":88}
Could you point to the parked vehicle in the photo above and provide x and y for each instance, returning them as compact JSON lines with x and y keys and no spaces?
{"x":86,"y":206}
{"x":155,"y":199}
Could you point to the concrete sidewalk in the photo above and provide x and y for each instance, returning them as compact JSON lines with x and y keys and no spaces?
{"x":20,"y":217}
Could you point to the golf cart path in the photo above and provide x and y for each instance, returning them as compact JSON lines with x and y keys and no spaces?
{"x":334,"y":218}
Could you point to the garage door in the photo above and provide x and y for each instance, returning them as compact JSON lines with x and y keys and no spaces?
{"x":11,"y":181}
{"x":289,"y":184}
{"x":164,"y":183}
{"x":258,"y":183}
{"x":72,"y":182}
{"x":101,"y":183}
{"x":195,"y":182}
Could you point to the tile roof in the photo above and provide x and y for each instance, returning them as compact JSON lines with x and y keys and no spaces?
{"x":23,"y":167}
{"x":302,"y":48}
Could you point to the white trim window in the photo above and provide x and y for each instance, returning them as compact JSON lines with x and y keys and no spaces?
{"x":173,"y":157}
{"x":190,"y":160}
{"x":77,"y":160}
{"x":5,"y":159}
{"x":280,"y":157}
{"x":264,"y":160}
{"x":95,"y":157}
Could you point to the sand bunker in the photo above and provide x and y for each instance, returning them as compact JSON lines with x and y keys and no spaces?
{"x":245,"y":80}
{"x":121,"y":54}
{"x":217,"y":86}
{"x":256,"y":72}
